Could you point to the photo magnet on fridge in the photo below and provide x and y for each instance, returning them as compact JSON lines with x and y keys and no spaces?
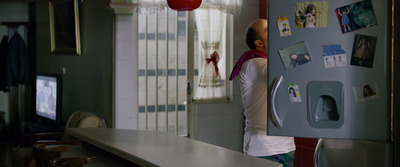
{"x":334,"y":56}
{"x":356,"y":16}
{"x":313,"y":14}
{"x":363,"y":50}
{"x":284,"y":27}
{"x":366,"y":92}
{"x":294,"y":93}
{"x":295,"y":55}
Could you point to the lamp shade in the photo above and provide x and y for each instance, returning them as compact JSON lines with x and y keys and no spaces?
{"x":184,"y":5}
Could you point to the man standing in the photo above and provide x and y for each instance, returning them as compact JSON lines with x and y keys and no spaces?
{"x":251,"y":69}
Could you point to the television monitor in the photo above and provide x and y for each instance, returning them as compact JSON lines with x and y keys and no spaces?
{"x":48,"y":100}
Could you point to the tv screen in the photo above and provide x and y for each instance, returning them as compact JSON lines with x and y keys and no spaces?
{"x":48,"y":98}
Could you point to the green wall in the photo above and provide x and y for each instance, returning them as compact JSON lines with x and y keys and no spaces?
{"x":88,"y":80}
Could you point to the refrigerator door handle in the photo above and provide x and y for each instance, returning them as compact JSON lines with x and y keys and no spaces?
{"x":275,"y":118}
{"x":318,"y":148}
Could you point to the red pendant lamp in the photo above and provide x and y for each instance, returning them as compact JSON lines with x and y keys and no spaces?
{"x":184,"y":5}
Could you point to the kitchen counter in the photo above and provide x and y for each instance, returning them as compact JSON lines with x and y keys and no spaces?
{"x":149,"y":148}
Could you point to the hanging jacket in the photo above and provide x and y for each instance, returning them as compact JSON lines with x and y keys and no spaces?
{"x":18,"y":61}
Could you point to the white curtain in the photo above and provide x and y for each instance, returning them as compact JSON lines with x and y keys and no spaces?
{"x":152,"y":3}
{"x":228,"y":6}
{"x":210,"y":25}
{"x":151,"y":6}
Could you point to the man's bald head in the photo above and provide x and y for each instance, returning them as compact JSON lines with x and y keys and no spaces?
{"x":256,"y":35}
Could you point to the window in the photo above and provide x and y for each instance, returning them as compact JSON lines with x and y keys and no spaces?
{"x":163,"y":71}
{"x":212,"y":30}
{"x":168,"y":65}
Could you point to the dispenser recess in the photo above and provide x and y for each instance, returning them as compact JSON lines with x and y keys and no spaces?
{"x":325,"y":103}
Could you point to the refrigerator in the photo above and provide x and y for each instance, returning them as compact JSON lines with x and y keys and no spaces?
{"x":329,"y":71}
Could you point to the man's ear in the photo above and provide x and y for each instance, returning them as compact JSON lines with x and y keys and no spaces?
{"x":259,"y":43}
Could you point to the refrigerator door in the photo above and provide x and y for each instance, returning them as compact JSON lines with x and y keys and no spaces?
{"x":321,"y":96}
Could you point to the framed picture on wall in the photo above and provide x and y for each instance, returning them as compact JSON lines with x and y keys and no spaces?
{"x":64,"y":26}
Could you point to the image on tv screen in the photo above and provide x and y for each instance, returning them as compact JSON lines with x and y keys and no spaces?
{"x":46,"y":97}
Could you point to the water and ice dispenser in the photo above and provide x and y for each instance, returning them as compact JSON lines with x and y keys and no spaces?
{"x":325,"y":103}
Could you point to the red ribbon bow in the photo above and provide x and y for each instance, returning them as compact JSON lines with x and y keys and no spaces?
{"x":214,"y":58}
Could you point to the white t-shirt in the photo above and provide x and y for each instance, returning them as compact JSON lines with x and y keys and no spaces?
{"x":253,"y":85}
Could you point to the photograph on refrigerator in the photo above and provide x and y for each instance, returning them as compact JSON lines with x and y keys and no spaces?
{"x":295,"y":55}
{"x":356,"y":16}
{"x":363,"y":50}
{"x":313,"y":14}
{"x":284,"y":27}
{"x":294,"y":93}
{"x":334,"y":56}
{"x":366,"y":92}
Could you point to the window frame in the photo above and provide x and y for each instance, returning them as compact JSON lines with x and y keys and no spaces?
{"x":190,"y":69}
{"x":228,"y":66}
